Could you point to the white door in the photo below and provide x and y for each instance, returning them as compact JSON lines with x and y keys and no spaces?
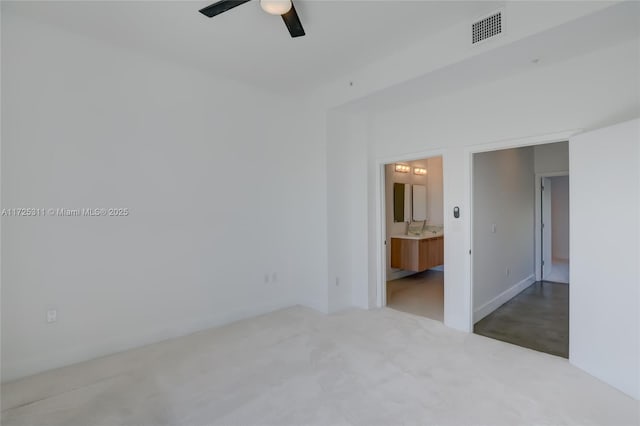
{"x":604,"y":310}
{"x":547,"y":263}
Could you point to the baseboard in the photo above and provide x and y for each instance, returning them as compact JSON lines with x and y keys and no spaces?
{"x":502,"y":298}
{"x":400,"y":273}
{"x":65,"y":356}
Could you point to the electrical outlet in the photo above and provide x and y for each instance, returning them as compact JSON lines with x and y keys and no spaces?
{"x":52,"y":315}
{"x":493,"y":228}
{"x":507,"y":272}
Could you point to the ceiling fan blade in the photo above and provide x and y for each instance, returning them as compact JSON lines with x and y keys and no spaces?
{"x":293,"y":23}
{"x":220,"y":7}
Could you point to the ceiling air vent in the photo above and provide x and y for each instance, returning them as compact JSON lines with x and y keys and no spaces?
{"x":486,"y":28}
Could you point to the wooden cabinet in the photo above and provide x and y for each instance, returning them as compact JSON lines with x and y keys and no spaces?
{"x":405,"y":254}
{"x":417,"y":255}
{"x":436,"y":251}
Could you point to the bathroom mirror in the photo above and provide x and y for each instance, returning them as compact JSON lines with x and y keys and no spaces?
{"x":401,"y":202}
{"x":419,"y":202}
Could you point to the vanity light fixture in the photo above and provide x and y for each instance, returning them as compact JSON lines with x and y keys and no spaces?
{"x":419,"y":171}
{"x":402,"y":168}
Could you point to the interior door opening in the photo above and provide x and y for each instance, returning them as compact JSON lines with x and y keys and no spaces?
{"x":554,"y":202}
{"x":414,"y":237}
{"x":520,"y":246}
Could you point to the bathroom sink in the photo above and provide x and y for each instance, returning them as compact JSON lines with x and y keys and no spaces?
{"x":432,"y":234}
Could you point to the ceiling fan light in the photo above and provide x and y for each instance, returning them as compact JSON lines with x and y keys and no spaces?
{"x":276,"y":7}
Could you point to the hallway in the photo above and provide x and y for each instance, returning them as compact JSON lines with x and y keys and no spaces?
{"x":537,"y":318}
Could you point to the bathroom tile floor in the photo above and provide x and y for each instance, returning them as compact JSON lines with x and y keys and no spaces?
{"x":419,"y":294}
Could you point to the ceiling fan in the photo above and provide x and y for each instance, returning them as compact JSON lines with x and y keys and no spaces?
{"x":283,"y":8}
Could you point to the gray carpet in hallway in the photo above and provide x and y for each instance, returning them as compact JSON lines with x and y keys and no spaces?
{"x":537,"y":318}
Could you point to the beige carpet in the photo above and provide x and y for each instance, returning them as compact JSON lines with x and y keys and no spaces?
{"x":419,"y":294}
{"x":296,"y":366}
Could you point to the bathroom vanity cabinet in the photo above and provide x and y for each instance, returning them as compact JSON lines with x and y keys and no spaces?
{"x":417,"y":253}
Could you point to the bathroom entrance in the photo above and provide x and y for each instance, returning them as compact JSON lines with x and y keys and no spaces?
{"x":414,"y":238}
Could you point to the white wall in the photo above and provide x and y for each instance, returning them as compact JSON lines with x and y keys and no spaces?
{"x":560,"y":217}
{"x":585,"y":91}
{"x":605,"y":273}
{"x":552,"y":157}
{"x":503,"y":197}
{"x":346,"y":212}
{"x":435,"y":193}
{"x":219,"y":195}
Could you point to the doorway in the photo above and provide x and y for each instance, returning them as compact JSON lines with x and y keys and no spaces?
{"x":554,"y":215}
{"x":414,"y":237}
{"x":513,"y":213}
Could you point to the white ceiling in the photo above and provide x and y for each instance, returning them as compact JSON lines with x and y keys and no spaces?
{"x":249,"y":45}
{"x":607,"y":27}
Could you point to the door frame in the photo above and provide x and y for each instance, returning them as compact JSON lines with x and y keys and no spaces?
{"x":498,"y":146}
{"x":538,"y":218}
{"x":381,"y":223}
